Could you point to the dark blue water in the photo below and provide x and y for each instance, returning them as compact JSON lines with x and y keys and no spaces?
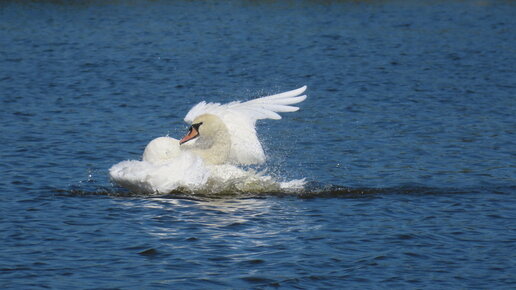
{"x":407,"y":140}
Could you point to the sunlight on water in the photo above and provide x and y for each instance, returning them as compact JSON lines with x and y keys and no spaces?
{"x":405,"y":144}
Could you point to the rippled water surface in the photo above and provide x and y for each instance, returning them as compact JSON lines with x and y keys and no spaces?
{"x":407,"y":141}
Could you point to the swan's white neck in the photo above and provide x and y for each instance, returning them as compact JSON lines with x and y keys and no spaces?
{"x":217,"y":153}
{"x":214,"y":142}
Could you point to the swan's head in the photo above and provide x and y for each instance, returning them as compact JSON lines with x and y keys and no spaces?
{"x":209,"y":137}
{"x":204,"y":130}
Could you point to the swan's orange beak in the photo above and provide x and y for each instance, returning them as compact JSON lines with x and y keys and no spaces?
{"x":192,"y":134}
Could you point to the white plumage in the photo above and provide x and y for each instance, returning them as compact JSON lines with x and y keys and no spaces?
{"x":203,"y":163}
{"x":240,"y":119}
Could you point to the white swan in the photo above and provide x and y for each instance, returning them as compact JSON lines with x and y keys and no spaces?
{"x":220,"y":138}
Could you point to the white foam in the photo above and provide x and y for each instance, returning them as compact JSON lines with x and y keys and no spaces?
{"x":184,"y":171}
{"x":187,"y":172}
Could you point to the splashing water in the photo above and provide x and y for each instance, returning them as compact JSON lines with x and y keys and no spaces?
{"x":188,"y":173}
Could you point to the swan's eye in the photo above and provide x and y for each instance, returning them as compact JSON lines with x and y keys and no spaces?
{"x":196,"y":126}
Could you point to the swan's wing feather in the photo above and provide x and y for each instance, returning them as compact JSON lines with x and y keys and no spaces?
{"x":257,"y":109}
{"x":285,"y":101}
{"x":240,"y":119}
{"x":245,"y":146}
{"x":268,"y":107}
{"x":203,"y":108}
{"x":284,"y":95}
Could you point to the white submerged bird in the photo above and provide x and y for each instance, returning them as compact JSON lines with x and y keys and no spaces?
{"x":221,"y":137}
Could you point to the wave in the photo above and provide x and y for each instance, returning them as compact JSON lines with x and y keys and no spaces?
{"x":311,"y":189}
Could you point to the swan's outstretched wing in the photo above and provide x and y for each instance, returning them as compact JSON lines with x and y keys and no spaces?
{"x":240,"y":119}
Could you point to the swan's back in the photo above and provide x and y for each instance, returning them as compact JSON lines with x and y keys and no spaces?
{"x":161,"y":150}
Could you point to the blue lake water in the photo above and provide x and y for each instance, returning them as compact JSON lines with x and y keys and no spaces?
{"x":407,"y":141}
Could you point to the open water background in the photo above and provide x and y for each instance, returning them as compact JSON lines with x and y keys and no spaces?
{"x":407,"y":140}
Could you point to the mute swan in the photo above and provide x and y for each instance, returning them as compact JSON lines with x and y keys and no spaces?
{"x":221,"y":137}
